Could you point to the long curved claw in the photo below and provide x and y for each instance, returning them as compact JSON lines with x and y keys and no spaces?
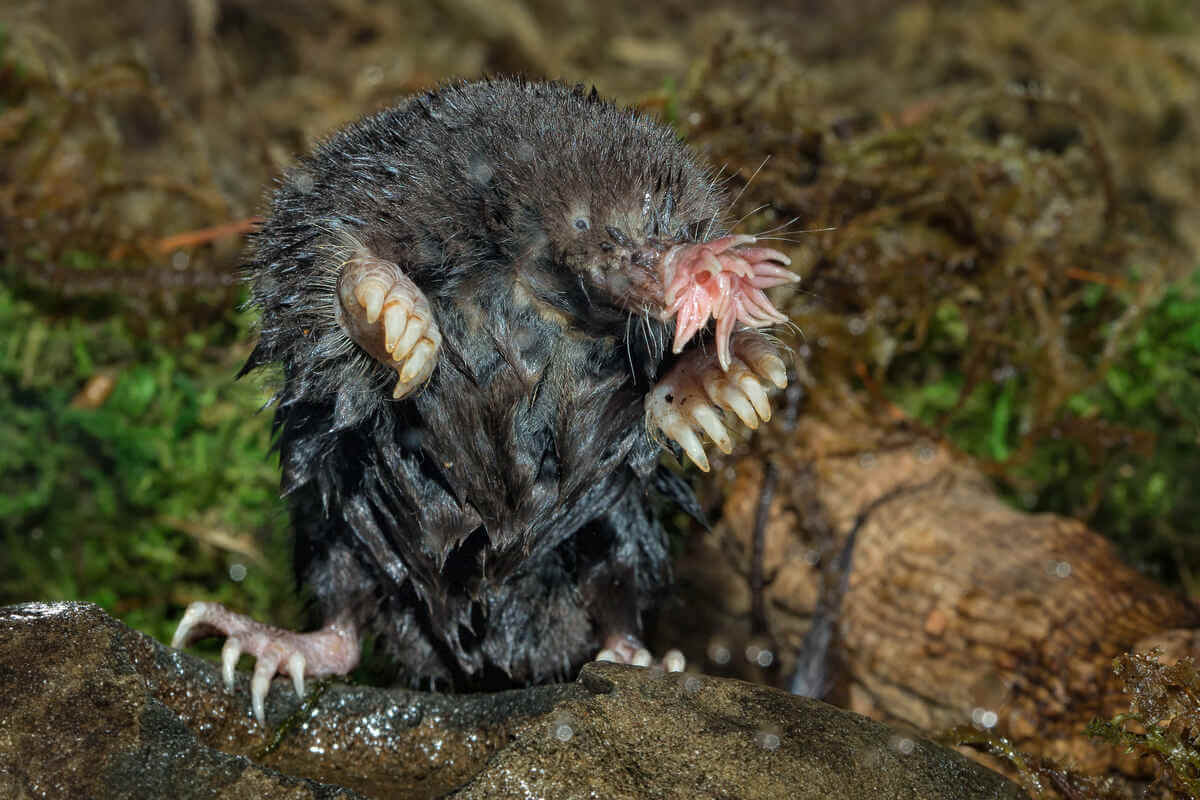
{"x":295,"y":667}
{"x":690,"y":442}
{"x":710,"y":421}
{"x":750,"y":386}
{"x":230,"y":653}
{"x":728,"y":397}
{"x":260,"y":684}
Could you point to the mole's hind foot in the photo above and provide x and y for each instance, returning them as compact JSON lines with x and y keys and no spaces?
{"x":628,"y":649}
{"x":387,"y":315}
{"x":333,"y":650}
{"x":698,"y":394}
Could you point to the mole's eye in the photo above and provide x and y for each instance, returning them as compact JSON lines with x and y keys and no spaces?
{"x":582,"y":224}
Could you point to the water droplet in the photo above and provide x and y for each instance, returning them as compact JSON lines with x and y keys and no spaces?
{"x":856,"y":326}
{"x":237,"y":572}
{"x":866,"y":460}
{"x":303,"y":182}
{"x":525,"y":338}
{"x":481,"y":172}
{"x":718,"y":653}
{"x":903,"y":745}
{"x":563,"y":732}
{"x":1059,"y":569}
{"x":180,"y":260}
{"x":984,"y":717}
{"x":768,"y":740}
{"x":372,"y":75}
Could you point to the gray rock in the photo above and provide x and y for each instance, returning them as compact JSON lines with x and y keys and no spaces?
{"x":91,"y":708}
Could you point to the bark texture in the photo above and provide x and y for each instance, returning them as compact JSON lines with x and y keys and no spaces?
{"x":957,"y":605}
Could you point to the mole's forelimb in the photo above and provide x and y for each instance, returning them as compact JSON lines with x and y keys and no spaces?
{"x":385,"y":313}
{"x":332,"y":650}
{"x":697,"y":394}
{"x":720,"y":279}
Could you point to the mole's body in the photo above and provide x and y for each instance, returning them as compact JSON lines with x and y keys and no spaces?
{"x":515,"y":258}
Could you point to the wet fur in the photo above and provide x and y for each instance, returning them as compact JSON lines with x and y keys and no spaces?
{"x":480,"y":527}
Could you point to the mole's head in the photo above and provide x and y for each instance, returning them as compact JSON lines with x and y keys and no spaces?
{"x":623,"y":220}
{"x":603,"y":195}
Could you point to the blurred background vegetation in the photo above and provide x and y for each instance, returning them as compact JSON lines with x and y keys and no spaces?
{"x":1012,"y":187}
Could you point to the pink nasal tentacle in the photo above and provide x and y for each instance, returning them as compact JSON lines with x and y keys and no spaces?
{"x":723,"y":280}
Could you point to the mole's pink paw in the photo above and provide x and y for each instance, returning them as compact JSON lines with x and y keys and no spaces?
{"x":697,"y":394}
{"x":389,"y":317}
{"x":333,"y":650}
{"x":628,"y":649}
{"x":723,"y":280}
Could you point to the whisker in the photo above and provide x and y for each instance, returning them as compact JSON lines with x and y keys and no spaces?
{"x":628,"y":348}
{"x":780,"y":228}
{"x":729,"y":206}
{"x":747,"y":215}
{"x":789,"y":238}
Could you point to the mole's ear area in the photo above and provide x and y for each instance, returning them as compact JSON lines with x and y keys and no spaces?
{"x":387,"y":315}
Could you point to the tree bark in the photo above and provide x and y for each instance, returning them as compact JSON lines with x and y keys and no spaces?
{"x":959,"y":609}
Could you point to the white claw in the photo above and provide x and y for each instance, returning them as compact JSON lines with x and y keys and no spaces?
{"x":690,"y":442}
{"x":642,"y":658}
{"x":674,"y":661}
{"x":231,"y":651}
{"x":370,"y":294}
{"x":412,"y":334}
{"x":733,"y":399}
{"x":417,"y":360}
{"x":704,"y":416}
{"x":395,"y":320}
{"x":295,"y":668}
{"x":772,"y":368}
{"x":186,"y":624}
{"x":607,"y":655}
{"x":758,"y":396}
{"x":260,"y":684}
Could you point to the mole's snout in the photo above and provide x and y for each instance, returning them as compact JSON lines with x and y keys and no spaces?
{"x":723,"y":280}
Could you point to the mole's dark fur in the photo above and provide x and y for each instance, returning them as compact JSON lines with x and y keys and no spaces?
{"x":486,"y":527}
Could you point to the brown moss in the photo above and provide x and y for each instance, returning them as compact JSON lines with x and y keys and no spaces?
{"x":1163,"y":719}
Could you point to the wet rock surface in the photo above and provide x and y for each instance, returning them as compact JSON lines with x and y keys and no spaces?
{"x":91,"y":708}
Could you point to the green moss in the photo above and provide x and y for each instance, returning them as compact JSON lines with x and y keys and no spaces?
{"x":137,"y":497}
